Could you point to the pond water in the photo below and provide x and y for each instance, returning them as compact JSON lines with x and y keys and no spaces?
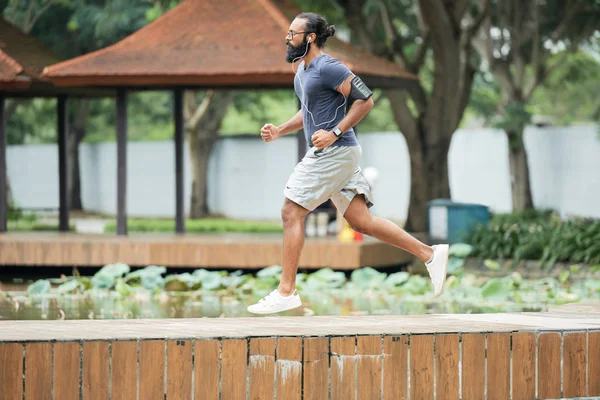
{"x":116,"y":293}
{"x":110,"y":305}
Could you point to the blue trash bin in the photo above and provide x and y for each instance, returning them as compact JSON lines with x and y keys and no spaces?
{"x":450,"y":222}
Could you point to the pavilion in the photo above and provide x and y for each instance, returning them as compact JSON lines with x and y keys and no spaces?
{"x":204,"y":44}
{"x":22,"y":60}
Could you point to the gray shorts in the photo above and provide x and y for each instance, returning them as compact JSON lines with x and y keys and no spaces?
{"x":332,"y":173}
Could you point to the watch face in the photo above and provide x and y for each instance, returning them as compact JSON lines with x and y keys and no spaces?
{"x":337,"y":132}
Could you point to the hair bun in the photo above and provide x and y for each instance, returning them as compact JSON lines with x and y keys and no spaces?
{"x":330,"y":30}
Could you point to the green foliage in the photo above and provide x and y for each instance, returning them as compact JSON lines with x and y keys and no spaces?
{"x":197,"y":226}
{"x":114,"y":292}
{"x":40,"y":286}
{"x":108,"y":275}
{"x":513,"y":119}
{"x":532,"y":235}
{"x":17,"y":214}
{"x":529,"y":215}
{"x":34,"y":121}
{"x":380,"y":118}
{"x":570,"y":94}
{"x":149,"y":277}
{"x":20,"y":220}
{"x":25,"y":226}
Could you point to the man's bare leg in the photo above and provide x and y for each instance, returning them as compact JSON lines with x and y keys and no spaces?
{"x":361,"y":220}
{"x":293,"y":216}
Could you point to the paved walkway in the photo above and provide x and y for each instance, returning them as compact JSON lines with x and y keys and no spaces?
{"x":571,"y":317}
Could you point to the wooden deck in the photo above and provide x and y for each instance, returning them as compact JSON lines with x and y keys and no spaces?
{"x":548,"y":355}
{"x":189,"y":250}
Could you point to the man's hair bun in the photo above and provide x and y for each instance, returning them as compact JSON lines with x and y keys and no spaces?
{"x":331,"y":30}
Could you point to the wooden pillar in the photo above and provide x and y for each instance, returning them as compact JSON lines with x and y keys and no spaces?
{"x":63,"y":188}
{"x":179,"y":121}
{"x":121,"y":161}
{"x":3,"y":194}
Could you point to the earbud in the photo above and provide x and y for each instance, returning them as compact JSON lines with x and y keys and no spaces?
{"x":309,"y":39}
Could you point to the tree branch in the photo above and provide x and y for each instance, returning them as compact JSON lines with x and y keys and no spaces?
{"x":192,"y":122}
{"x":26,"y":20}
{"x":355,"y":17}
{"x":402,"y":115}
{"x":464,"y":93}
{"x":467,"y":71}
{"x":189,"y":104}
{"x":421,"y":53}
{"x":572,"y":10}
{"x":460,"y":7}
{"x":437,"y":19}
{"x":535,"y":56}
{"x":531,"y":29}
{"x":484,"y":45}
{"x":393,"y":36}
{"x":501,"y":70}
{"x":39,"y":14}
{"x":12,"y":13}
{"x":539,"y":78}
{"x":484,"y":9}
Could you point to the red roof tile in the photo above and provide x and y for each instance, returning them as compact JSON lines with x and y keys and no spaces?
{"x":208,"y":43}
{"x":9,"y":68}
{"x":22,"y":58}
{"x":29,"y":56}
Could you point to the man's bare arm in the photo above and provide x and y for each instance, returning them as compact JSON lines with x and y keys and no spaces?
{"x":359,"y":108}
{"x":293,"y":125}
{"x":356,"y":113}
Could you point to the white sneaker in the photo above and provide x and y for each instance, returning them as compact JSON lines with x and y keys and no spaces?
{"x":274,"y":302}
{"x":438,"y":267}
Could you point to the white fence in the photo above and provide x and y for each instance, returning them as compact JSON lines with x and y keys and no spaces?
{"x":246,"y":176}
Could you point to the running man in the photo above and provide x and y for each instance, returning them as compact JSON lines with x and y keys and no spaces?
{"x":330,"y":169}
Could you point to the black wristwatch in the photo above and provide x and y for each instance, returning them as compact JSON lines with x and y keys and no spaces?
{"x":337,"y":131}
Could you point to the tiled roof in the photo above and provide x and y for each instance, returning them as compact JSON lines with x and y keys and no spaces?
{"x":9,"y":68}
{"x":22,"y":61}
{"x":22,"y":57}
{"x":208,"y":43}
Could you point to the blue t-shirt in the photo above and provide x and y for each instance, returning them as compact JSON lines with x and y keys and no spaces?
{"x":316,"y":88}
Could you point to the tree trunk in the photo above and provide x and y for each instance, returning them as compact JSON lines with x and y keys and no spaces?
{"x":9,"y":195}
{"x":417,"y":205}
{"x":202,"y":131}
{"x":428,"y":162}
{"x":200,"y":149}
{"x":519,"y":171}
{"x":429,"y":180}
{"x":10,"y":109}
{"x":428,"y":128}
{"x":76,"y":135}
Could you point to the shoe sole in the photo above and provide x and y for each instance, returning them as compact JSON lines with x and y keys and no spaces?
{"x":446,"y":250}
{"x":274,"y":312}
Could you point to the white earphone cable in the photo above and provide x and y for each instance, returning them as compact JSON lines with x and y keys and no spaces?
{"x":303,"y":93}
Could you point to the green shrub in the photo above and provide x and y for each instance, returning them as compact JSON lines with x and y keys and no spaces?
{"x":538,"y":236}
{"x":527,"y":215}
{"x":207,"y":225}
{"x":17,"y":214}
{"x":27,"y":226}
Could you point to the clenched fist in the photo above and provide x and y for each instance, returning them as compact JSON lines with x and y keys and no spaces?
{"x":269,"y":132}
{"x":323,"y":138}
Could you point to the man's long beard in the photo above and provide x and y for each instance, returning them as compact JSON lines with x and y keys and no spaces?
{"x":294,"y":53}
